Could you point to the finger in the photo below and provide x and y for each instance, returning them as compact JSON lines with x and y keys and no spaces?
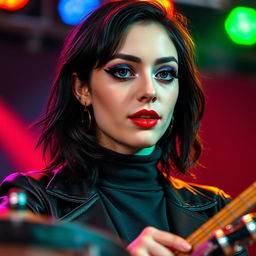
{"x":168,"y":239}
{"x":154,"y":248}
{"x":138,"y":251}
{"x":146,"y":245}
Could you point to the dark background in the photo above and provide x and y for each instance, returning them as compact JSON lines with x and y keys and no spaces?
{"x":27,"y":65}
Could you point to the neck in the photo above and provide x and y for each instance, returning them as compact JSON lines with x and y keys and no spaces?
{"x":145,"y":151}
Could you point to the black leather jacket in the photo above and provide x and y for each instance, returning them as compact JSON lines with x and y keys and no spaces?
{"x":51,"y":193}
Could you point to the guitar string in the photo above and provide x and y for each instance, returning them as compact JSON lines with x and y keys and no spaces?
{"x":211,"y":225}
{"x":235,"y":204}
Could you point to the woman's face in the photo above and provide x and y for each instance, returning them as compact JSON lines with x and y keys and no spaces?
{"x":134,"y":94}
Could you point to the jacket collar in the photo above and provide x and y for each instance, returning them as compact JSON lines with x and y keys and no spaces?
{"x":184,"y":202}
{"x":179,"y":192}
{"x":186,"y":195}
{"x":70,"y":189}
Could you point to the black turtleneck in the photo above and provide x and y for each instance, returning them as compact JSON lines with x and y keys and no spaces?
{"x":129,"y":187}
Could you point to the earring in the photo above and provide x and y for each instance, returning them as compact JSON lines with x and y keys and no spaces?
{"x":86,"y":118}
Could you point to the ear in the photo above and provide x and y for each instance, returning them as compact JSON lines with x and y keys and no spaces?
{"x":81,"y":90}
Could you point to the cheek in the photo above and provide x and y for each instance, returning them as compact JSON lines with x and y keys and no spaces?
{"x":170,"y":98}
{"x":169,"y":104}
{"x":106,"y":104}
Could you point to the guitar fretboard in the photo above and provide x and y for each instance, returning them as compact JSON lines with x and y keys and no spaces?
{"x":230,"y":213}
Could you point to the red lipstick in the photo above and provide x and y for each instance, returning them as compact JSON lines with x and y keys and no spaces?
{"x":145,"y":118}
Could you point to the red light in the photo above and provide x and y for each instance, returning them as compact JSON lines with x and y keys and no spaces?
{"x":12,"y":5}
{"x":17,"y":141}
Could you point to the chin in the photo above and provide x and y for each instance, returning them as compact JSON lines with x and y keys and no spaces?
{"x":146,"y":140}
{"x":145,"y":144}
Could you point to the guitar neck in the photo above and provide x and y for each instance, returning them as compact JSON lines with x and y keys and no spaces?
{"x":230,"y":213}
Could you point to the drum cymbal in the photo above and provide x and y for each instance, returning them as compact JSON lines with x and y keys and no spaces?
{"x":23,"y":228}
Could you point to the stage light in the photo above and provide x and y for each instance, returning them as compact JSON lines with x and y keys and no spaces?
{"x":240,"y":25}
{"x":12,"y":5}
{"x":17,"y":141}
{"x":72,"y":12}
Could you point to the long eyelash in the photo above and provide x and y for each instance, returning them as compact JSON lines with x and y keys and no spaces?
{"x":114,"y":69}
{"x":173,"y":71}
{"x":118,"y":67}
{"x":110,"y":70}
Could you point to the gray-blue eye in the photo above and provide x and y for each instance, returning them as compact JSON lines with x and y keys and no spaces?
{"x":166,"y":74}
{"x":121,"y":72}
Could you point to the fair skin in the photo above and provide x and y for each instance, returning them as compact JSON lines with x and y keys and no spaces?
{"x":131,"y":82}
{"x":142,"y":75}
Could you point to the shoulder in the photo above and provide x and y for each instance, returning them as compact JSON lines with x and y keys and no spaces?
{"x":34,"y":183}
{"x":46,"y":189}
{"x":198,"y":197}
{"x":196,"y":189}
{"x":27,"y":180}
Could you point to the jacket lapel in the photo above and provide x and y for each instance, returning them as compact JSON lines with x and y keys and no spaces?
{"x":81,"y":204}
{"x":184,"y":204}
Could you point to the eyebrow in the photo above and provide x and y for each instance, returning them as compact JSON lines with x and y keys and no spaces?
{"x":138,"y":60}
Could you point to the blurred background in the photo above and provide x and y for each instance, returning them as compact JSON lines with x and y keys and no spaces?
{"x":31,"y":36}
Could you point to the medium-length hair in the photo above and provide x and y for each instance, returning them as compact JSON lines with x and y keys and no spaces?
{"x":90,"y":45}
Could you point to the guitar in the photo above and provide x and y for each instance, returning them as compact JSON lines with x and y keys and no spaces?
{"x":230,"y":213}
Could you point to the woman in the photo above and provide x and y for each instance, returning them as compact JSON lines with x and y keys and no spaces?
{"x":123,"y":114}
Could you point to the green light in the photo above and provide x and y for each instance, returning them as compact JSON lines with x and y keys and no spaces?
{"x":241,"y":25}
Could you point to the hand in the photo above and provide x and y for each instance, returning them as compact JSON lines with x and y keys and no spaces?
{"x":155,"y":242}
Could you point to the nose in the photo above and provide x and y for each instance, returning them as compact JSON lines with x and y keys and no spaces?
{"x":146,"y":90}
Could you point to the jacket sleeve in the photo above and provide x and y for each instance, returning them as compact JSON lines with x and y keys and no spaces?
{"x":18,"y":180}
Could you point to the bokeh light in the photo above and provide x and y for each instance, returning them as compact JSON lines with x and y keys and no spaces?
{"x":72,"y":12}
{"x":12,"y":5}
{"x":240,"y":25}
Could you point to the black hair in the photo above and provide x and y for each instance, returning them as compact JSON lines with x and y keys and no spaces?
{"x":90,"y":45}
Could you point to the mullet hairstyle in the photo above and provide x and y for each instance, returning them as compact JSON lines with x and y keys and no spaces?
{"x":90,"y":45}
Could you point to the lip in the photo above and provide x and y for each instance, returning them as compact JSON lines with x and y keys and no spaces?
{"x":145,"y":112}
{"x":139,"y":120}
